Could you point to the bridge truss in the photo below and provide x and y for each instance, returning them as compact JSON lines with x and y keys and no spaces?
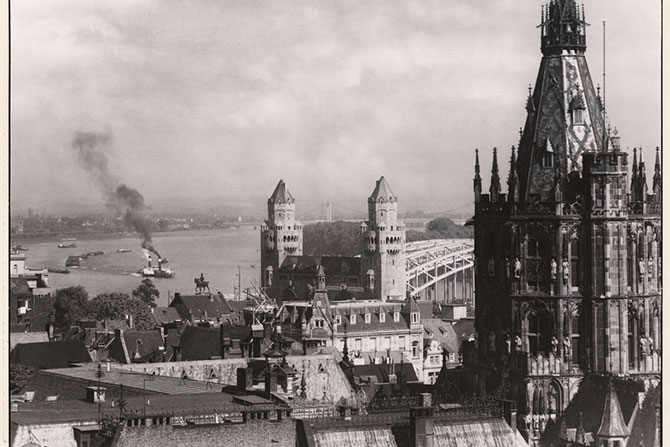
{"x":432,"y":261}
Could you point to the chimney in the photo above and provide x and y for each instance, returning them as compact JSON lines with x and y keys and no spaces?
{"x":270,"y":382}
{"x":118,"y":333}
{"x":245,"y":378}
{"x":95,"y":394}
{"x":422,"y":423}
{"x":509,"y":411}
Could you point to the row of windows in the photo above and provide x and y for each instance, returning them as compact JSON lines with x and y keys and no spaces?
{"x":382,"y":318}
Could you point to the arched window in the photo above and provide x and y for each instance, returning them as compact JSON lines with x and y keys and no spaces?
{"x":539,"y":332}
{"x":415,"y":349}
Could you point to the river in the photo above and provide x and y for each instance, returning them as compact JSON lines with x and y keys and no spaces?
{"x":214,"y":253}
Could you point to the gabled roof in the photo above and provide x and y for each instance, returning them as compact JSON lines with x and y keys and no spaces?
{"x":382,"y":191}
{"x":165,"y":315}
{"x":19,"y":286}
{"x":16,"y":338}
{"x":612,"y":424}
{"x":56,"y":354}
{"x":281,"y":194}
{"x":200,"y":343}
{"x":201,"y":307}
{"x":442,"y":332}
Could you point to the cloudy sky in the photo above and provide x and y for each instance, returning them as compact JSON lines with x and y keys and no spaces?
{"x":212,"y":98}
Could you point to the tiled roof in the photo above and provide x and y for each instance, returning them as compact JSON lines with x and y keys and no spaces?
{"x":347,"y":294}
{"x":382,"y":191}
{"x":332,"y":265}
{"x":465,"y":328}
{"x":443,"y":332}
{"x":197,"y":307}
{"x":588,"y":406}
{"x":165,"y":315}
{"x":157,"y":384}
{"x":142,"y":344}
{"x":19,"y":287}
{"x":26,"y":337}
{"x":46,"y":355}
{"x":612,"y":423}
{"x":382,"y":371}
{"x":199,"y":343}
{"x":252,"y":433}
{"x":281,"y":193}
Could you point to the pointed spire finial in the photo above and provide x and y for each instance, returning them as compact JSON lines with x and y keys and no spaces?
{"x":513,"y":179}
{"x":633,"y":178}
{"x":657,"y":185}
{"x":495,"y":189}
{"x":477,"y":181}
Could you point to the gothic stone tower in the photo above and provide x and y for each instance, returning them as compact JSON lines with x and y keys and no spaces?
{"x":281,"y":235}
{"x":383,"y":236}
{"x":568,"y":273}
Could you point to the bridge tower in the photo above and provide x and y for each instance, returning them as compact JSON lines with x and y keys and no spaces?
{"x":383,"y":237}
{"x":568,"y":278}
{"x":281,"y":235}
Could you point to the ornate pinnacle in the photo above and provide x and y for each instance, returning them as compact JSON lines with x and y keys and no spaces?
{"x":478,"y":179}
{"x":495,"y":178}
{"x":513,"y":180}
{"x":657,"y":186}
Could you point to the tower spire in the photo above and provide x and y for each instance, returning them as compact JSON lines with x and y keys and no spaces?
{"x":478,"y":179}
{"x":643,"y":188}
{"x":633,"y":178}
{"x":513,"y":179}
{"x":495,"y":189}
{"x":658,"y":181}
{"x":564,"y":28}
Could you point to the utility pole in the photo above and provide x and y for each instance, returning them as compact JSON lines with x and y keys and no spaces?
{"x":239,"y":283}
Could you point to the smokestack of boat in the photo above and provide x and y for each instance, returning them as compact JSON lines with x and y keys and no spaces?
{"x":149,"y":261}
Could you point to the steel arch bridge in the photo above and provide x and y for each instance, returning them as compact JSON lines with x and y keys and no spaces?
{"x":436,"y":265}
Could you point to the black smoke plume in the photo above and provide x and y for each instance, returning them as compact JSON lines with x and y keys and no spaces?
{"x":126,"y":201}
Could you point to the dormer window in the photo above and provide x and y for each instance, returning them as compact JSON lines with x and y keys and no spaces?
{"x":352,"y":319}
{"x":338,"y":319}
{"x":382,"y":317}
{"x":414,"y":317}
{"x":548,"y":160}
{"x":367,"y":318}
{"x":396,"y":316}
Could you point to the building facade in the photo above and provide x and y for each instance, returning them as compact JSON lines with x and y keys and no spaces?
{"x":378,"y":273}
{"x":568,"y":273}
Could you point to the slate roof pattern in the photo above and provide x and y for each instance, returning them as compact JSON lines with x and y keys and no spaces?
{"x":157,"y":384}
{"x":382,"y":371}
{"x":47,"y":355}
{"x":253,"y":433}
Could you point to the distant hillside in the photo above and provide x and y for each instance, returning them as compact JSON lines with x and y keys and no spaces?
{"x":342,"y":238}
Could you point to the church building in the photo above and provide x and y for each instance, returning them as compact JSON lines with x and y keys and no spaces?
{"x":568,"y":260}
{"x":377,"y":273}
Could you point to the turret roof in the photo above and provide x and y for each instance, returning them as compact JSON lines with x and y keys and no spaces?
{"x":281,"y":193}
{"x":612,"y":424}
{"x":382,"y":191}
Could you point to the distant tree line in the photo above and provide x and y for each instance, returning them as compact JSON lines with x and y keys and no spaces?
{"x":343,"y":238}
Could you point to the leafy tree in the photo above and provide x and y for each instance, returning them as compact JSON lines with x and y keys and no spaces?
{"x":116,"y":306}
{"x":70,"y":304}
{"x":19,"y":376}
{"x":147,"y":292}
